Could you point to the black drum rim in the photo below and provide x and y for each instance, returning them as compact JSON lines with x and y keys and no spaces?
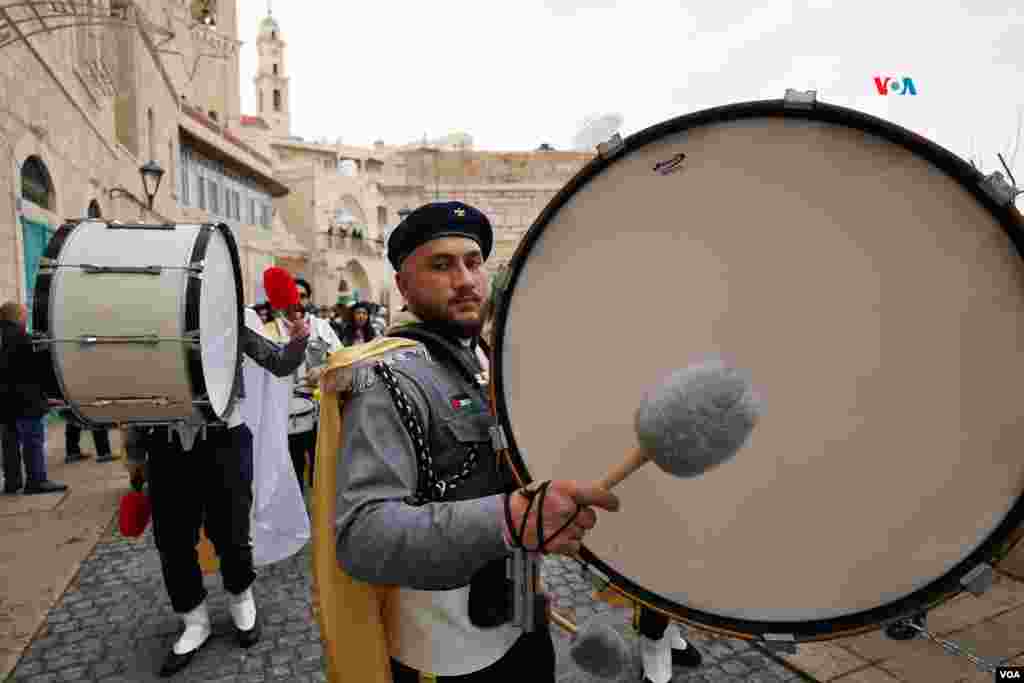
{"x":938,"y":590}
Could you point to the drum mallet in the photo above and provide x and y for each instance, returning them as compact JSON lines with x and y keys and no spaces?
{"x":694,"y":420}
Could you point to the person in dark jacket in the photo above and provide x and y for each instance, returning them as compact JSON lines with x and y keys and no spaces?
{"x":25,"y":406}
{"x":359,"y":330}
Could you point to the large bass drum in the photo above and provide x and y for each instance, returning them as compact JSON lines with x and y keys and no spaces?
{"x":870,"y":281}
{"x":141,"y":323}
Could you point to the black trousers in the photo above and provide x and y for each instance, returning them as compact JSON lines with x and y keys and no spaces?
{"x":13,"y":475}
{"x":209,"y":486}
{"x":532,"y":658}
{"x":651,"y":624}
{"x":73,"y":437}
{"x":298,"y":446}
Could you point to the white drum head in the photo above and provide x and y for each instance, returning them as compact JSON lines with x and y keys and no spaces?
{"x":219,"y":324}
{"x":878,"y":306}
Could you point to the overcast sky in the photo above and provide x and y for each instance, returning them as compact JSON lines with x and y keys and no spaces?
{"x":516,"y":74}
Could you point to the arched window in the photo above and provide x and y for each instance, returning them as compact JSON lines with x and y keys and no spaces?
{"x":36,"y":185}
{"x":277,"y":100}
{"x":261,"y":101}
{"x":94,"y":210}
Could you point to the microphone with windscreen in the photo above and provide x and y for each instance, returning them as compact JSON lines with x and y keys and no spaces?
{"x":693,"y":421}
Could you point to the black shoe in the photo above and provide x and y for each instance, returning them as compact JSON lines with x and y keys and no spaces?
{"x":11,"y":490}
{"x":106,"y":457}
{"x":252,"y":636}
{"x":175,"y":662}
{"x":45,"y":487}
{"x":690,"y":657}
{"x":74,"y":457}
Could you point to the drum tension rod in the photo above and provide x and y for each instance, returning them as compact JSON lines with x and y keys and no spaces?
{"x":91,"y":269}
{"x":92,"y":340}
{"x":976,"y":582}
{"x":161,"y":401}
{"x":909,"y":628}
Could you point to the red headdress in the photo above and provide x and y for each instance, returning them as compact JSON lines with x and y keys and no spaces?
{"x":280,"y":288}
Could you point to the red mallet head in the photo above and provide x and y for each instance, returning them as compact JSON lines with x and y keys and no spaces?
{"x":280,"y":287}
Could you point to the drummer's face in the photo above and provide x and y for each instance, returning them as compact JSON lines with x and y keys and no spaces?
{"x":444,"y":279}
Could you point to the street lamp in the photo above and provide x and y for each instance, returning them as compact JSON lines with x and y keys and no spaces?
{"x":151,"y":174}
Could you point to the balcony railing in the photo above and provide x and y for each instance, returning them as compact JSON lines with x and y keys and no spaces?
{"x":365,"y":247}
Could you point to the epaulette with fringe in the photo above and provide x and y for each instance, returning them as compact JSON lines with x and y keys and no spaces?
{"x":359,"y":376}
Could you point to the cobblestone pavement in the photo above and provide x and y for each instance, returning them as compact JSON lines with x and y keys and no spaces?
{"x":115,"y":624}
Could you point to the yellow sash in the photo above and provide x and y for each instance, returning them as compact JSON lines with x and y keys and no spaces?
{"x":350,"y":611}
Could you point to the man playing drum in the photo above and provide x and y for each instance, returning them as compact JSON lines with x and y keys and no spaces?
{"x":198,"y":479}
{"x":422,"y":500}
{"x":322,"y":342}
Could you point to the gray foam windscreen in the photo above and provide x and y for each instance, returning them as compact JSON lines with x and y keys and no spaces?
{"x":599,"y":650}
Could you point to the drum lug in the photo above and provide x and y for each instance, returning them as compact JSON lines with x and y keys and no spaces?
{"x":196,"y":267}
{"x":799,"y":99}
{"x":782,"y":643}
{"x":996,"y":187}
{"x":978,"y":580}
{"x":609,"y":148}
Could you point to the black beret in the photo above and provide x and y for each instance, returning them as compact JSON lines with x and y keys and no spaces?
{"x":436,"y":220}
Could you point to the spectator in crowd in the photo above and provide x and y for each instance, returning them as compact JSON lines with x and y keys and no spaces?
{"x":305,"y":295}
{"x":263,"y":311}
{"x":338,"y":320}
{"x":360,"y":330}
{"x":25,"y":404}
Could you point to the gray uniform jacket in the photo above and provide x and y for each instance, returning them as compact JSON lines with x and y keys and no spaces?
{"x":381,"y":538}
{"x":279,"y":361}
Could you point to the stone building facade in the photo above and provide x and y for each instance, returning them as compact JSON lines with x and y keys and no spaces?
{"x":94,"y":89}
{"x":86,"y":106}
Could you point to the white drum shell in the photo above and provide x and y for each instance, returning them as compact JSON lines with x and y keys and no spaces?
{"x":120,"y":304}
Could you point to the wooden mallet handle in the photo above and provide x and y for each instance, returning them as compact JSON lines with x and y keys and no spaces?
{"x":637,"y":459}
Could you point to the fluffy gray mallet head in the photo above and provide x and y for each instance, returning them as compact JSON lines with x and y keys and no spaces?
{"x":599,"y":650}
{"x":697,"y":418}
